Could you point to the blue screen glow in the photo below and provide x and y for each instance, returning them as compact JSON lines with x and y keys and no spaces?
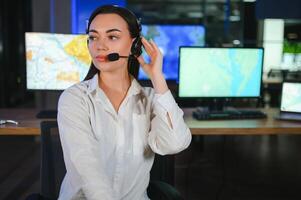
{"x":169,"y":38}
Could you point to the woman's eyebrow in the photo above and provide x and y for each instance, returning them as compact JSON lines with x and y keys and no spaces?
{"x":112,"y":30}
{"x":93,"y":31}
{"x":108,"y":31}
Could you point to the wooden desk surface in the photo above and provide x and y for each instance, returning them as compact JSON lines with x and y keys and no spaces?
{"x":268,"y":126}
{"x":30,"y":125}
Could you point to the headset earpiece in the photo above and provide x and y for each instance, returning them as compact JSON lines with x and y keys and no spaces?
{"x":136,"y":48}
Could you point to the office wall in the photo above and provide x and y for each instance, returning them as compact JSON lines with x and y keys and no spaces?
{"x":14,"y":21}
{"x":273,"y":43}
{"x":50,"y":16}
{"x":281,"y":9}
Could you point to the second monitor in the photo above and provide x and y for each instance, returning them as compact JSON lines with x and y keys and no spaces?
{"x":220,"y":72}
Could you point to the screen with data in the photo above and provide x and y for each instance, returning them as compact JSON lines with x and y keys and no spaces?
{"x":291,"y":97}
{"x":55,"y":61}
{"x":169,"y":38}
{"x":220,"y":72}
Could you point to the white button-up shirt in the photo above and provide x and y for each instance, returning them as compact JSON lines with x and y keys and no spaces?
{"x":109,"y":154}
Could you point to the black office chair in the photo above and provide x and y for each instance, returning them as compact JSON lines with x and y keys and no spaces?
{"x":52,"y":161}
{"x":53,"y":169}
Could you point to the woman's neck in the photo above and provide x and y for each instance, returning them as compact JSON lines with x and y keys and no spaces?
{"x":115,"y":86}
{"x":113,"y":81}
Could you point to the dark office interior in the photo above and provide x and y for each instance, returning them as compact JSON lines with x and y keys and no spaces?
{"x":246,"y":164}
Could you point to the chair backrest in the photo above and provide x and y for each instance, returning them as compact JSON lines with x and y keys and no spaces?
{"x":163,"y":169}
{"x":162,"y":179}
{"x":52,"y":162}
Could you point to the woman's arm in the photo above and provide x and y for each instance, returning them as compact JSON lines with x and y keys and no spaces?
{"x":81,"y":152}
{"x":169,"y":134}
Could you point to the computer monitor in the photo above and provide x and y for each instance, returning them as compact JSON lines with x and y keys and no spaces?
{"x":291,"y":97}
{"x":220,"y":73}
{"x":55,"y":61}
{"x":169,"y":38}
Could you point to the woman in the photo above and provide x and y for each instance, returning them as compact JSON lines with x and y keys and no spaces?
{"x":110,"y":126}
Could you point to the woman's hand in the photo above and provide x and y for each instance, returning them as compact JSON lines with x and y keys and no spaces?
{"x":154,"y":68}
{"x":156,"y":59}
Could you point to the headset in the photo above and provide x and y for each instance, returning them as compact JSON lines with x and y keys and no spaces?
{"x":136,"y":48}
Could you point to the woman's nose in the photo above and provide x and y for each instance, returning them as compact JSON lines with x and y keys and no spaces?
{"x":102,"y":44}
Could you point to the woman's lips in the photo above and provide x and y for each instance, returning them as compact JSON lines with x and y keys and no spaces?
{"x":101,"y":58}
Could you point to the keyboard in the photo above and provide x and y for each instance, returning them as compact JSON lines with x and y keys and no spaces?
{"x":228,"y":114}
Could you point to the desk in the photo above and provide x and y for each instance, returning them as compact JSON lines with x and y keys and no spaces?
{"x":268,"y":126}
{"x":30,"y":125}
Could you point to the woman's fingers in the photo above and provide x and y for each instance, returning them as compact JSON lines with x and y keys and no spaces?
{"x":152,"y":51}
{"x":155,"y":56}
{"x":141,"y":60}
{"x":145,"y":66}
{"x":155,"y":47}
{"x":147,"y":46}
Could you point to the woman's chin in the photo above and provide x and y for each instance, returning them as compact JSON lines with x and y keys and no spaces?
{"x":108,"y":69}
{"x":109,"y":66}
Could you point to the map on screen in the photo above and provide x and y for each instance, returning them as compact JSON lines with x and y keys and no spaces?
{"x":55,"y":61}
{"x":169,"y":38}
{"x":220,"y":72}
{"x":291,"y":97}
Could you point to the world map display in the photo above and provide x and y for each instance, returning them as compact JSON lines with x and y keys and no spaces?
{"x":220,"y":72}
{"x":55,"y":61}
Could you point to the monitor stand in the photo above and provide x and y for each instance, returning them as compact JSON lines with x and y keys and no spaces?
{"x":47,"y":114}
{"x":216,"y":105}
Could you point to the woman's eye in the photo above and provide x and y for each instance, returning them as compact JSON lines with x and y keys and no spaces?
{"x":92,"y":38}
{"x":113,"y":37}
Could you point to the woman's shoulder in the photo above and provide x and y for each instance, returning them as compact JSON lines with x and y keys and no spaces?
{"x":75,"y":92}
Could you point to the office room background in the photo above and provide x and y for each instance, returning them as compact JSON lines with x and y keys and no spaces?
{"x":274,"y":26}
{"x":226,"y":23}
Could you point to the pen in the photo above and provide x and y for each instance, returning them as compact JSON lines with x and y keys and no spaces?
{"x":8,"y":121}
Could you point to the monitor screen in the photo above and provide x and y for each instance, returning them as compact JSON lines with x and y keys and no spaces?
{"x":291,"y":97}
{"x":220,"y":72}
{"x":55,"y":61}
{"x":169,"y":38}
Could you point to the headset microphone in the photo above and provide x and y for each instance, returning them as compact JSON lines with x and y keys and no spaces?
{"x":115,"y":56}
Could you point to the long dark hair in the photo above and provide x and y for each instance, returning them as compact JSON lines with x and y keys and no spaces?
{"x":134,"y":29}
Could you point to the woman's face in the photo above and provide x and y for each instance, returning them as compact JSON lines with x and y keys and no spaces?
{"x":109,"y":33}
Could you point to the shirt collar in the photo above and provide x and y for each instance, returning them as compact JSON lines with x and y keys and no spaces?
{"x":93,"y":83}
{"x":134,"y":89}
